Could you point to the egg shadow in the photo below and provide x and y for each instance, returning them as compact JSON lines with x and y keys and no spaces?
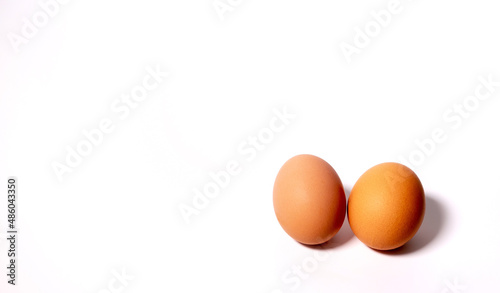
{"x":433,"y":223}
{"x":343,"y":235}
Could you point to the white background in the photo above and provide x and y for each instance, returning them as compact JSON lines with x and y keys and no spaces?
{"x":119,"y":208}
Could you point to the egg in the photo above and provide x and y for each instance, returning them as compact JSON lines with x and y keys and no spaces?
{"x":386,"y":206}
{"x":309,"y":199}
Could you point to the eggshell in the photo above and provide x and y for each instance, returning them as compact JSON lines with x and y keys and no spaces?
{"x":386,"y":206}
{"x":309,"y":199}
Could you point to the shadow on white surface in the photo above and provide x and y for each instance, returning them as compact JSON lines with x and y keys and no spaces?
{"x":433,"y":223}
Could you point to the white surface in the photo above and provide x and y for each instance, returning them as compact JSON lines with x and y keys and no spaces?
{"x":119,"y":207}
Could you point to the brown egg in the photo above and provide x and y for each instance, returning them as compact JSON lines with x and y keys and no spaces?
{"x":386,"y":206}
{"x":309,"y":199}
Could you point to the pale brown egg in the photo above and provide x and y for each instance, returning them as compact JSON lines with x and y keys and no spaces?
{"x":386,"y":206}
{"x":309,"y":199}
